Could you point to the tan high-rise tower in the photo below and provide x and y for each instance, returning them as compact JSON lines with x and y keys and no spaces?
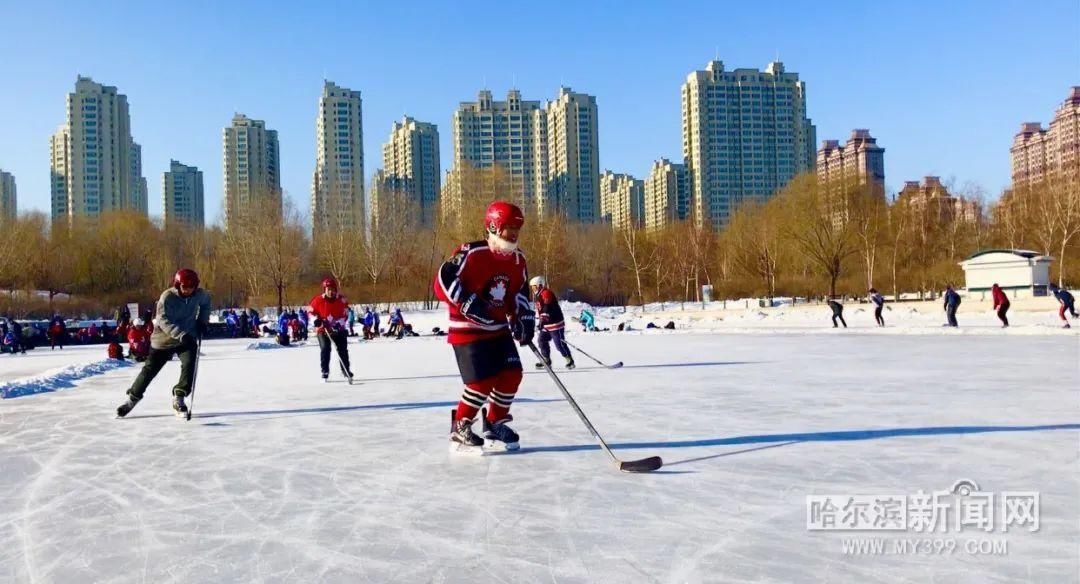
{"x":411,"y":167}
{"x":573,"y":163}
{"x":860,"y":161}
{"x":622,"y":200}
{"x":667,"y":194}
{"x":1038,"y":153}
{"x":337,"y":189}
{"x":96,"y":167}
{"x":252,"y":168}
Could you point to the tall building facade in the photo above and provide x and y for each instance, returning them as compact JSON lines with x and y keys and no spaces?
{"x":667,"y":194}
{"x":932,"y":200}
{"x":509,"y":134}
{"x":411,"y":166}
{"x":139,"y":194}
{"x":9,"y":201}
{"x":573,"y":163}
{"x":337,"y":189}
{"x":96,"y":166}
{"x":1037,"y":152}
{"x":251,"y":167}
{"x":182,"y":193}
{"x":59,"y":145}
{"x":860,"y":161}
{"x":622,"y":200}
{"x":746,"y":134}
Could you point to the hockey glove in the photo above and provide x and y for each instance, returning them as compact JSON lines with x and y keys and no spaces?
{"x":201,"y":327}
{"x":476,"y":310}
{"x":524,"y":327}
{"x":188,"y":341}
{"x":317,"y":322}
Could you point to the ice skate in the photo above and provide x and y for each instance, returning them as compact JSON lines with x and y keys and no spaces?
{"x":498,"y":437}
{"x":179,"y":407}
{"x":462,"y":439}
{"x":126,"y":407}
{"x":570,"y":363}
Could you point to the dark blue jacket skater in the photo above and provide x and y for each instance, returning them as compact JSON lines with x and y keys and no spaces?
{"x":952,"y":302}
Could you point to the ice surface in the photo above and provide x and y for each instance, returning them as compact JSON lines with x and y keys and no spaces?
{"x":281,"y":478}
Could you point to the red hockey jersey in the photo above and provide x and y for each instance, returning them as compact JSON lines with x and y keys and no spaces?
{"x":501,"y":281}
{"x":334,"y":312}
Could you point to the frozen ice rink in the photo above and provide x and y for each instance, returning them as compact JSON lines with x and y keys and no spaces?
{"x":281,"y":478}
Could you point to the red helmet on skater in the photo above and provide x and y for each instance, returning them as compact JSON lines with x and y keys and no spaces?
{"x":186,"y":278}
{"x":330,"y":282}
{"x":501,"y":224}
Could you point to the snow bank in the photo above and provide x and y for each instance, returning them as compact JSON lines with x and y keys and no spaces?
{"x":58,"y":379}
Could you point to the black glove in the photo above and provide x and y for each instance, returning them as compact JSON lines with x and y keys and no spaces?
{"x":188,"y":341}
{"x":476,"y":309}
{"x":524,"y":327}
{"x":317,"y":322}
{"x":201,"y":328}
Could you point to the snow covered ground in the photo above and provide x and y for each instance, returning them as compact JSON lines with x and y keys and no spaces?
{"x":281,"y":478}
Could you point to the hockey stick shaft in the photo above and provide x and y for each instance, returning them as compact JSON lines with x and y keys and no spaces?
{"x":573,"y":403}
{"x":194,"y":376}
{"x":578,"y":349}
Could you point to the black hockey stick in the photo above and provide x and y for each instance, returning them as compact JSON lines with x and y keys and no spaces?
{"x":599,"y":362}
{"x":644,"y":465}
{"x":194,"y":375}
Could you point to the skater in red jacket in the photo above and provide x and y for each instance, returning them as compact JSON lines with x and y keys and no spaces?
{"x":1001,"y":304}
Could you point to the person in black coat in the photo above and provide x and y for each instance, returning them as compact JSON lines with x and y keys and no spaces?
{"x":837,"y":312}
{"x":952,"y":302}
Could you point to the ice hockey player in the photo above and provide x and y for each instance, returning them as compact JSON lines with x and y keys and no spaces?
{"x":552,"y":326}
{"x":180,"y":320}
{"x":138,"y":342}
{"x":1068,"y":303}
{"x":484,"y":285}
{"x":879,"y":304}
{"x":952,"y":302}
{"x":1001,"y":304}
{"x":837,"y":312}
{"x":330,"y":311}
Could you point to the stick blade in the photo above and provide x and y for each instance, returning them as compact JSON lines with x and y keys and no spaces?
{"x":644,"y":465}
{"x":616,"y":365}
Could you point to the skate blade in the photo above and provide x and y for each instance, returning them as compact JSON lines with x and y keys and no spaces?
{"x":459,"y":449}
{"x":181,"y":415}
{"x":497,"y":447}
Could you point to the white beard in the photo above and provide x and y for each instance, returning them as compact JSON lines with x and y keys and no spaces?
{"x":500,"y":245}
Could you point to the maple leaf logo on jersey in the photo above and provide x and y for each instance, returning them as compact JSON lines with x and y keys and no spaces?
{"x":498,"y":292}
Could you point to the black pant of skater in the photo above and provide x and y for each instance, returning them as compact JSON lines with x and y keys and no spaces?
{"x":157,"y":359}
{"x":877,"y":316}
{"x":559,"y":336}
{"x":340,"y":339}
{"x":1001,"y":313}
{"x":950,"y":314}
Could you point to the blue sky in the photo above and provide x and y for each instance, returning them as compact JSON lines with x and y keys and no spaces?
{"x":943,"y":86}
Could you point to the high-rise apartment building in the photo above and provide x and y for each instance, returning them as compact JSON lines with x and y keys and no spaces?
{"x":251,"y":167}
{"x":411,"y":167}
{"x":573,"y":162}
{"x":622,"y":200}
{"x":667,"y":194}
{"x":932,"y":200}
{"x":337,"y":189}
{"x":9,"y":202}
{"x":1038,"y":153}
{"x":139,"y":194}
{"x":182,"y":188}
{"x":96,"y":167}
{"x":860,"y":161}
{"x":59,"y":145}
{"x":509,"y":134}
{"x":746,"y":134}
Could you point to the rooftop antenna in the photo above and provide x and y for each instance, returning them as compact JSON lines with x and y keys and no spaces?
{"x":513,"y":81}
{"x":716,"y":55}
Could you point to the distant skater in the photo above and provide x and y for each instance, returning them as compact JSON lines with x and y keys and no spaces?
{"x":1068,"y":303}
{"x":879,"y":303}
{"x":1001,"y":304}
{"x":837,"y":313}
{"x":952,"y":302}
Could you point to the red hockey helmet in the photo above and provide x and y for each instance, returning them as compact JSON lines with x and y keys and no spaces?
{"x":187,"y":278}
{"x":329,"y":282}
{"x":501,"y":215}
